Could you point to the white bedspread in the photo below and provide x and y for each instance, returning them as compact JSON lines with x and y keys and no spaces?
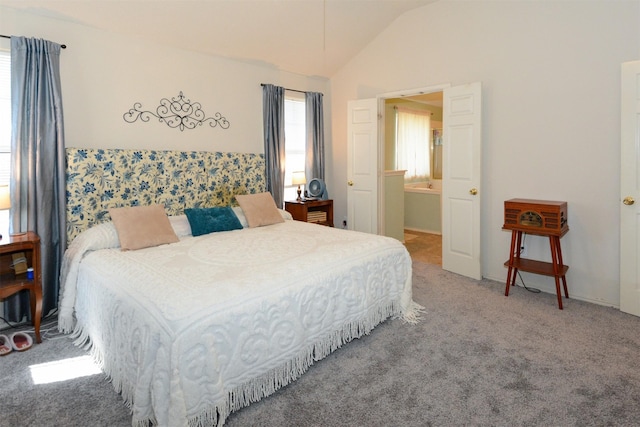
{"x":191,"y":331}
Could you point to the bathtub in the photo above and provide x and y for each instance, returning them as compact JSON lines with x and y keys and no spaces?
{"x":422,"y":207}
{"x":431,"y":187}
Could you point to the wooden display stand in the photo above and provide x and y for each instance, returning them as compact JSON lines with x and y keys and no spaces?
{"x":542,"y":218}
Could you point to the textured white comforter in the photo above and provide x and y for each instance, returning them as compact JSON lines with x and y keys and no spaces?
{"x":191,"y":331}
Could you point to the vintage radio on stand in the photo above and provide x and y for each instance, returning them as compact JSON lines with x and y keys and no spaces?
{"x":536,"y":216}
{"x":543,"y":218}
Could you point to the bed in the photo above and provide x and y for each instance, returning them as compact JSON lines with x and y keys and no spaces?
{"x":190,"y":331}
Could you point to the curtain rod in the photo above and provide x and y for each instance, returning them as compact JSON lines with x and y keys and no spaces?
{"x":395,"y":107}
{"x":64,"y":46}
{"x":292,"y":90}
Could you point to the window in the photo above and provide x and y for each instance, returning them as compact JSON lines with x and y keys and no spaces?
{"x":5,"y":116}
{"x":413,"y":142}
{"x":295,"y":140}
{"x":5,"y":129}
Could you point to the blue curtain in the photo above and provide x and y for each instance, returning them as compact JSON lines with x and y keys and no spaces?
{"x":273,"y":123}
{"x":314,"y":167}
{"x":37,"y":183}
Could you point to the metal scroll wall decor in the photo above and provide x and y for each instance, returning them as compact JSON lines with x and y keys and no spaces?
{"x":179,"y":112}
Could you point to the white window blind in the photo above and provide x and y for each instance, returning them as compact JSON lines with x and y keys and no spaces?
{"x":295,"y":141}
{"x":5,"y":116}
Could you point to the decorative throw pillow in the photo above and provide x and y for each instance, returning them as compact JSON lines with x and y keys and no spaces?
{"x":259,"y":209}
{"x":243,"y":220}
{"x":210,"y":220}
{"x":142,"y":226}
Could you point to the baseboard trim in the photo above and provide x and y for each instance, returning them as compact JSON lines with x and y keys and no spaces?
{"x":439,"y":233}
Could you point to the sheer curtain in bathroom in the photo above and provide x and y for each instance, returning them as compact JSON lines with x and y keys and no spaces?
{"x":413,"y":142}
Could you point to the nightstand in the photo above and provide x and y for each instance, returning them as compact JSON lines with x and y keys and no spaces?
{"x":11,"y":283}
{"x":315,"y":211}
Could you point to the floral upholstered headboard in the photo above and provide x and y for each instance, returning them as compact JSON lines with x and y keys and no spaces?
{"x":99,"y":179}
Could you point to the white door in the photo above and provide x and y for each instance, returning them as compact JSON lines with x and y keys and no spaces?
{"x":461,"y":187}
{"x":362,"y":165}
{"x":630,"y":190}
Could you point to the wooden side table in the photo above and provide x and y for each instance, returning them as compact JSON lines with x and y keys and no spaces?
{"x":555,"y":268}
{"x":315,"y":211}
{"x":11,"y":283}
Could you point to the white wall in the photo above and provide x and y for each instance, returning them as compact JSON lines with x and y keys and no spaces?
{"x":550,"y":74}
{"x":104,"y":74}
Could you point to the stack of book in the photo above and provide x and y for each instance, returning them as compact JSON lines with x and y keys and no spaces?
{"x":317,"y":216}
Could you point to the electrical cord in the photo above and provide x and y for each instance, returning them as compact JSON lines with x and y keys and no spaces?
{"x":48,"y":327}
{"x":520,"y":250}
{"x":534,"y":290}
{"x":9,"y":324}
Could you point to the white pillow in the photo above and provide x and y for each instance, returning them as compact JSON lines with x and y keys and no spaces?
{"x":180,"y":225}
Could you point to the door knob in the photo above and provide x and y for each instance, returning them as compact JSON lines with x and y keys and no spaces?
{"x":628,"y":200}
{"x":350,"y":183}
{"x":473,"y":191}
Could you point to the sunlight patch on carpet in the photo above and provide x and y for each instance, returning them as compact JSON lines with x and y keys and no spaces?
{"x":63,"y":370}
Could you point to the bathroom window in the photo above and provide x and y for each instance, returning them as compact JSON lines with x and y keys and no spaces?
{"x":413,"y":142}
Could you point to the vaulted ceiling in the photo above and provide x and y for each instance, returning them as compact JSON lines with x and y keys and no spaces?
{"x":308,"y":37}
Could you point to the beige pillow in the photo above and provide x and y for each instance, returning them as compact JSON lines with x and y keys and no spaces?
{"x":259,"y":209}
{"x":142,"y":226}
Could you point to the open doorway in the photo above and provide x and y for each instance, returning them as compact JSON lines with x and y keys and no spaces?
{"x":421,"y":210}
{"x":461,"y":179}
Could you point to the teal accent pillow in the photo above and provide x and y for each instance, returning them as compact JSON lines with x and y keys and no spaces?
{"x":210,"y":220}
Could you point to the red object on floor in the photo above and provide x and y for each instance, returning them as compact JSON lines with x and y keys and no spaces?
{"x":5,"y":345}
{"x":20,"y":341}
